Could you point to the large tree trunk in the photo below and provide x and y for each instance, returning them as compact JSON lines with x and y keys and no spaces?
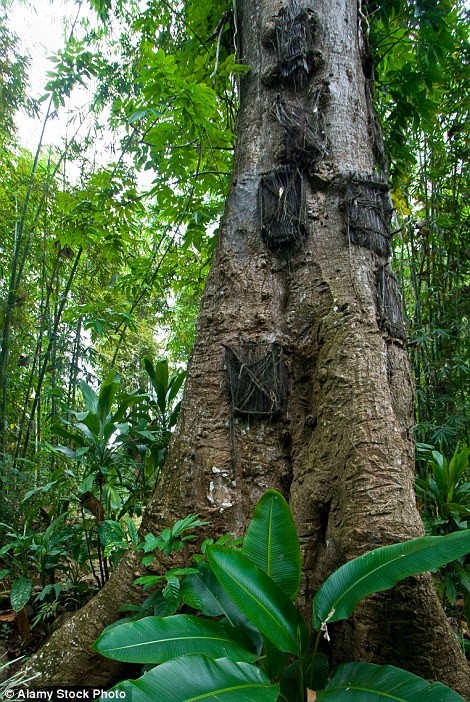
{"x":339,"y":444}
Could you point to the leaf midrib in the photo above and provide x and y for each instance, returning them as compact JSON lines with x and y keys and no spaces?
{"x":358,"y":688}
{"x":176,"y":638}
{"x":233,"y":688}
{"x":262,"y":606}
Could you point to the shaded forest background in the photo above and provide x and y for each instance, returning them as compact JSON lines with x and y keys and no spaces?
{"x":104,"y":254}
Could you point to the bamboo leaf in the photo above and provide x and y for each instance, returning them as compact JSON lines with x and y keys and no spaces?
{"x":381,"y":569}
{"x":259,"y":598}
{"x":360,"y":682}
{"x":272,"y":543}
{"x":198,"y":678}
{"x":155,"y":640}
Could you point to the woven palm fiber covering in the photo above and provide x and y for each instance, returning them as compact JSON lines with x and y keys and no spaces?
{"x":294,"y":43}
{"x":257,"y":379}
{"x":369,"y":213}
{"x":304,"y":129}
{"x":390,"y":305}
{"x":282,"y":208}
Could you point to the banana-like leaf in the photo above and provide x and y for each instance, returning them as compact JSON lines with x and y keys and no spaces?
{"x":155,"y":640}
{"x":381,"y":569}
{"x":272,"y":543}
{"x":259,"y":598}
{"x":198,"y":678}
{"x":202,"y":591}
{"x":366,"y":682}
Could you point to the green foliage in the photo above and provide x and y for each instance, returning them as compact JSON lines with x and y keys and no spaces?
{"x":191,"y":678}
{"x":271,"y":542}
{"x":20,"y":592}
{"x":39,"y":552}
{"x":421,"y":64}
{"x":156,"y":640}
{"x":359,"y":681}
{"x":172,"y":539}
{"x":168,"y":595}
{"x":115,"y":430}
{"x":262,"y":601}
{"x":91,"y":497}
{"x":200,"y":658}
{"x":443,"y":490}
{"x":166,"y":391}
{"x":14,"y":67}
{"x":382,"y":569}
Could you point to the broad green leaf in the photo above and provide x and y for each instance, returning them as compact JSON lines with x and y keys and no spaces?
{"x":155,"y":640}
{"x":85,"y":429}
{"x":274,"y":661}
{"x":110,"y":531}
{"x":171,"y":591}
{"x":43,"y":488}
{"x":158,"y":375}
{"x":259,"y":598}
{"x":174,"y":414}
{"x":175,"y":385}
{"x":381,"y":569}
{"x":90,"y":397}
{"x":272,"y":543}
{"x":202,"y":591}
{"x":132,"y":532}
{"x":91,"y":423}
{"x":20,"y":592}
{"x":66,"y":451}
{"x":150,"y":370}
{"x":106,"y":395}
{"x":366,"y":682}
{"x":198,"y":678}
{"x":161,"y":373}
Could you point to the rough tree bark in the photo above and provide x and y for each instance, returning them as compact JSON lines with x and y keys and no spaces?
{"x":341,"y":449}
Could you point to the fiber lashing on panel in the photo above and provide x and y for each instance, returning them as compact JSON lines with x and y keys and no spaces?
{"x":282,"y":208}
{"x":257,"y":379}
